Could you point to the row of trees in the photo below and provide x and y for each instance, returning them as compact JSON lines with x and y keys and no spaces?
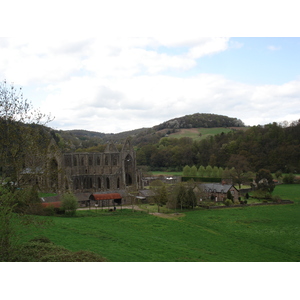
{"x":238,"y":175}
{"x":208,"y":171}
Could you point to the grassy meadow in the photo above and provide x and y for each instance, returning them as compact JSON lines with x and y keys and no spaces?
{"x":257,"y":234}
{"x":199,"y":133}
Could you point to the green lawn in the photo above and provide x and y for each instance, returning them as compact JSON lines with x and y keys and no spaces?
{"x":265,"y":233}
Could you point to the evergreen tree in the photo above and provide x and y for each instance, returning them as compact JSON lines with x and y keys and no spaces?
{"x":220,"y":172}
{"x":201,"y":171}
{"x":215,"y":172}
{"x":193,"y":172}
{"x":229,"y":195}
{"x":208,"y":171}
{"x":187,"y":171}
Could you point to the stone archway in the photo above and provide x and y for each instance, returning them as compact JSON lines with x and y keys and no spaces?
{"x":53,"y":178}
{"x":76,"y":184}
{"x":128,"y":164}
{"x":128,"y":179}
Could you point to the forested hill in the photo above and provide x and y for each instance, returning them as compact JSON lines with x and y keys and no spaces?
{"x":273,"y":146}
{"x":71,"y":140}
{"x":200,"y":120}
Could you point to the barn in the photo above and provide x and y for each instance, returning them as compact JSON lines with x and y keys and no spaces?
{"x":106,"y":199}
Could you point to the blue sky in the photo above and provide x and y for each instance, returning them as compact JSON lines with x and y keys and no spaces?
{"x":119,"y":84}
{"x":251,"y":60}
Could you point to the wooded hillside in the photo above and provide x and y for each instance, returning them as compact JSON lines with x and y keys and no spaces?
{"x":272,"y":146}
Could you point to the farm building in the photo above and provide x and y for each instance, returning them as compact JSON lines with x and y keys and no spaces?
{"x":88,"y":200}
{"x":109,"y":199}
{"x":218,"y":191}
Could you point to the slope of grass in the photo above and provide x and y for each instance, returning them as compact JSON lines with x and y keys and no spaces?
{"x":266,"y":233}
{"x":199,"y":133}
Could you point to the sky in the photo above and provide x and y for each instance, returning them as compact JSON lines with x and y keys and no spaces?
{"x":113,"y":84}
{"x":132,"y":64}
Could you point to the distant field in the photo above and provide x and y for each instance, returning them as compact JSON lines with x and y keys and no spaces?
{"x":157,"y":173}
{"x":199,"y":133}
{"x":43,"y":195}
{"x":288,"y":192}
{"x":266,"y":233}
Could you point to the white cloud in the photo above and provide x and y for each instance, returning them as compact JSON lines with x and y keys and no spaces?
{"x":208,"y":46}
{"x":39,"y":61}
{"x":274,"y":48}
{"x":149,"y":100}
{"x":113,"y":85}
{"x":46,"y":60}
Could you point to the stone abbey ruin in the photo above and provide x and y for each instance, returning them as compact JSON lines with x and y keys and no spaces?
{"x":79,"y":172}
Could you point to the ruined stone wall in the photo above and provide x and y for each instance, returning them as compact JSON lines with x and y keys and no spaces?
{"x":94,"y":172}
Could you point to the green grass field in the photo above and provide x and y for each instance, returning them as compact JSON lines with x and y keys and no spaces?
{"x":199,"y":133}
{"x":262,"y":234}
{"x":157,"y":173}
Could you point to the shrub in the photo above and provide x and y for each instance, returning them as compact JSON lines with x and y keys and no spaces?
{"x":69,"y":204}
{"x":49,"y":211}
{"x":288,"y":178}
{"x":261,"y":194}
{"x":41,"y":249}
{"x":276,"y":199}
{"x":228,"y":202}
{"x":229,"y":195}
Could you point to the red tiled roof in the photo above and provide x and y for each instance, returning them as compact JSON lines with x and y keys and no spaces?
{"x":53,"y":204}
{"x":105,"y":196}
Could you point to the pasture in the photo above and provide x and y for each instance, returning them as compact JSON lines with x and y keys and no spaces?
{"x":255,"y":234}
{"x":199,"y":133}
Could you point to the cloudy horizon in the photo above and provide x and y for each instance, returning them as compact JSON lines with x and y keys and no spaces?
{"x":113,"y":85}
